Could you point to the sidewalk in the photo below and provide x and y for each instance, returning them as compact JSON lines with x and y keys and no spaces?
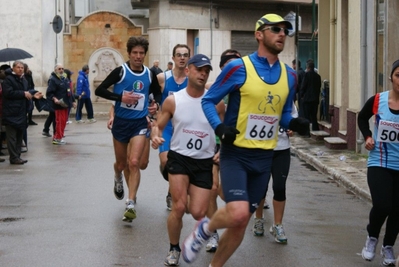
{"x":346,"y":167}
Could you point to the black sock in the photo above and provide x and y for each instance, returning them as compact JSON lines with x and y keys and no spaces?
{"x":175,"y":247}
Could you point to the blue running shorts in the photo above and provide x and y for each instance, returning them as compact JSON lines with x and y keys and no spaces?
{"x":245,"y":174}
{"x":124,"y":129}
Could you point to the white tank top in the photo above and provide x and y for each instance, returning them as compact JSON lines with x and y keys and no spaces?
{"x":192,"y":136}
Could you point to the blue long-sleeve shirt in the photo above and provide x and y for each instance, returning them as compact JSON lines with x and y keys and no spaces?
{"x":230,"y":81}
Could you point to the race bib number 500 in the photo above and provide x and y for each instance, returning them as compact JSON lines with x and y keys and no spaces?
{"x":261,"y":127}
{"x":388,"y":132}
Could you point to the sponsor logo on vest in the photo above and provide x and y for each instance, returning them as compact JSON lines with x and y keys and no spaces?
{"x":199,"y":134}
{"x":267,"y":119}
{"x":391,"y":124}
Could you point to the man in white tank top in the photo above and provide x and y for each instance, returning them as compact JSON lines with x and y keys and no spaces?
{"x":192,"y":148}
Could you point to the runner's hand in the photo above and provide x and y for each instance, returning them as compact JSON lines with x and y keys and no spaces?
{"x":110,"y":122}
{"x":130,"y":98}
{"x":300,"y":125}
{"x":156,"y":141}
{"x":227,"y":134}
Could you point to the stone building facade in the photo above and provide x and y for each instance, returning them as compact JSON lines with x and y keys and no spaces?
{"x":99,"y":40}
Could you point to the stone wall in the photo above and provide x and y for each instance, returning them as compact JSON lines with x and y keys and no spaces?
{"x":97,"y":30}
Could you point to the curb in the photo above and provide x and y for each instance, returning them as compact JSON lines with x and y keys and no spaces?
{"x":336,"y":175}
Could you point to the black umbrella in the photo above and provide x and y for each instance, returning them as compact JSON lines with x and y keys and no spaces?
{"x":11,"y":54}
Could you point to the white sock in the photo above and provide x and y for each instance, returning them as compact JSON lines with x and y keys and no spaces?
{"x":206,"y":229}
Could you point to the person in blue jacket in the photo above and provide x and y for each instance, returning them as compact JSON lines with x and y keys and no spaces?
{"x":83,"y":94}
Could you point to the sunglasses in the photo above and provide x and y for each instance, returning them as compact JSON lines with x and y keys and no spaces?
{"x":181,"y":55}
{"x":276,"y":30}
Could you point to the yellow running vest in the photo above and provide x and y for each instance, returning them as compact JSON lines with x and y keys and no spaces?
{"x":261,"y":105}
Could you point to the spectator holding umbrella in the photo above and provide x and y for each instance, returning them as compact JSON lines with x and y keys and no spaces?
{"x":16,"y":98}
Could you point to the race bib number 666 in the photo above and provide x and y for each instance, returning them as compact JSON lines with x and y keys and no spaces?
{"x":261,"y":127}
{"x":388,"y":132}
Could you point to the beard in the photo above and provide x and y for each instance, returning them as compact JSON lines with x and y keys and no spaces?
{"x":272,"y":47}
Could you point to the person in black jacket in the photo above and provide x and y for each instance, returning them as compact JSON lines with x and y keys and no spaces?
{"x":300,"y":74}
{"x":60,"y":94}
{"x":310,"y":94}
{"x":31,"y":86}
{"x":16,"y":97}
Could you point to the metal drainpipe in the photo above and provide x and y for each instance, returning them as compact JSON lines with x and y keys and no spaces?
{"x":363,"y":67}
{"x":56,"y":37}
{"x":211,"y":21}
{"x":313,"y":28}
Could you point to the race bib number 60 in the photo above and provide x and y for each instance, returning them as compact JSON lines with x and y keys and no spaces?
{"x":194,"y":139}
{"x":388,"y":132}
{"x":261,"y":127}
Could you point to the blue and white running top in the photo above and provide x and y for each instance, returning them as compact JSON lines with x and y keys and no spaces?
{"x":171,"y":85}
{"x":386,"y":135}
{"x":134,"y":83}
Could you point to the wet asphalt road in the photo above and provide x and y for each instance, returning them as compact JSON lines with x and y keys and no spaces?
{"x":59,"y":210}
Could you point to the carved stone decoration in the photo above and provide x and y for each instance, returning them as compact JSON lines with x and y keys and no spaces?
{"x":105,"y":63}
{"x":101,"y":63}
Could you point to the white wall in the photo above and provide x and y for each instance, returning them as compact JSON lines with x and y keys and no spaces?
{"x":27,"y":26}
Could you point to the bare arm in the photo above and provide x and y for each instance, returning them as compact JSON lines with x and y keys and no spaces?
{"x":161,"y":80}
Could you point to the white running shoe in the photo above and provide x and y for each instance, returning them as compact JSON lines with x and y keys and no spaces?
{"x":388,"y":257}
{"x":368,"y":251}
{"x":118,"y":187}
{"x":195,"y":241}
{"x":258,"y":228}
{"x":212,"y":244}
{"x":169,"y":201}
{"x":172,"y":259}
{"x":279,"y":234}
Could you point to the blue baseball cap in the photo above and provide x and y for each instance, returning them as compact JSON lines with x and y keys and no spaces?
{"x":200,"y":60}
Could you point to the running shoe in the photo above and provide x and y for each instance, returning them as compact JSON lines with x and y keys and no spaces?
{"x":130,"y":213}
{"x":59,"y":142}
{"x":258,"y":228}
{"x":195,"y":241}
{"x":68,"y":122}
{"x":368,"y":251}
{"x":169,"y":201}
{"x":47,"y":134}
{"x":388,"y":257}
{"x":212,"y":244}
{"x":172,"y":259}
{"x":278,"y":232}
{"x":118,"y":187}
{"x":91,"y":120}
{"x":80,"y":121}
